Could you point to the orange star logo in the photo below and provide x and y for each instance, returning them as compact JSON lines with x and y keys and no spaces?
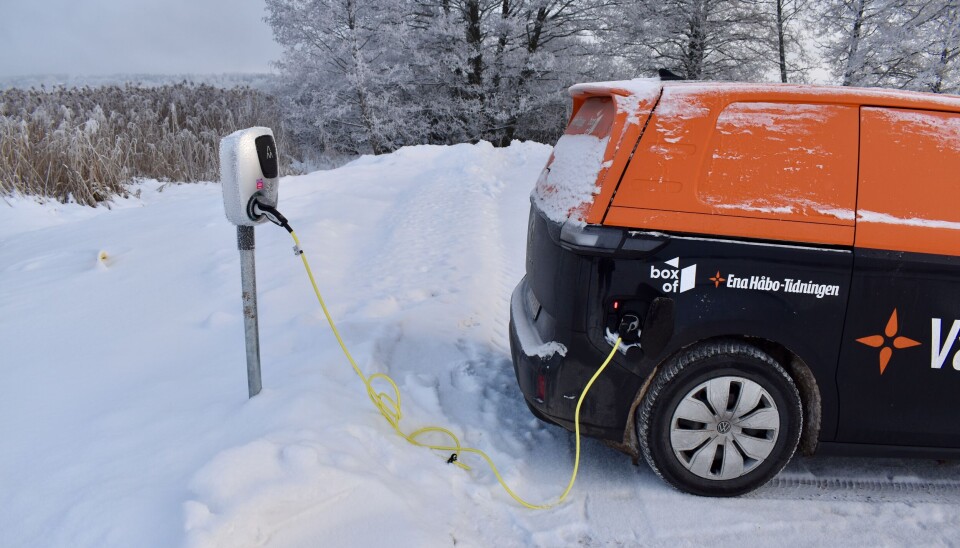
{"x":888,"y":341}
{"x":717,"y":280}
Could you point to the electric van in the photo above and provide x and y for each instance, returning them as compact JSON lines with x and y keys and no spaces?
{"x":782,"y":263}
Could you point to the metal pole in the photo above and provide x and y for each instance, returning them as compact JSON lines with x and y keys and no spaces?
{"x":248,"y":282}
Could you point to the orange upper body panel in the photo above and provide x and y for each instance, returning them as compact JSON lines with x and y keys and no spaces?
{"x":763,"y":161}
{"x":909,"y":181}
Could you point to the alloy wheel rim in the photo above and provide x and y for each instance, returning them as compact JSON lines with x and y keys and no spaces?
{"x":724,"y":428}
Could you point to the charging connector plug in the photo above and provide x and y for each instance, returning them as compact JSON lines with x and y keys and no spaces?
{"x":629,"y":328}
{"x":271,"y":214}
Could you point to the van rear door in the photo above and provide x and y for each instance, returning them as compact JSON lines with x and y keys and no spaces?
{"x":581,"y":175}
{"x":899,"y":371}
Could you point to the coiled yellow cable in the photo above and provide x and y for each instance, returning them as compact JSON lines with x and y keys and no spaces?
{"x":389,"y":407}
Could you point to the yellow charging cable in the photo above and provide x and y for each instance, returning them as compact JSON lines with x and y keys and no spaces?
{"x":389,"y":407}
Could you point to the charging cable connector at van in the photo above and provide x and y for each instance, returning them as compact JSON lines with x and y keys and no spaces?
{"x":629,"y":329}
{"x":388,"y":403}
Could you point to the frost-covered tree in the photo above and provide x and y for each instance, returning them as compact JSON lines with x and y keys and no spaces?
{"x":789,"y":41}
{"x":938,"y":44}
{"x":346,"y":79}
{"x":361,"y":75}
{"x":699,"y":39}
{"x":553,"y":50}
{"x":490,"y":65}
{"x":873,"y":42}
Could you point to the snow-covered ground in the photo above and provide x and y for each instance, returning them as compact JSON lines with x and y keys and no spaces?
{"x":124,"y":419}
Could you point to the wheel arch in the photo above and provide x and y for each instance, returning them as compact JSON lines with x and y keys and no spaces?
{"x":800,"y":372}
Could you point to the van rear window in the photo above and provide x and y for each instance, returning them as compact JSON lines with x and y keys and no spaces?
{"x":909,"y":175}
{"x":569,"y":181}
{"x":789,"y":161}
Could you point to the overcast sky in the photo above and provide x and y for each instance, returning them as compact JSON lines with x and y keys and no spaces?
{"x":97,"y":37}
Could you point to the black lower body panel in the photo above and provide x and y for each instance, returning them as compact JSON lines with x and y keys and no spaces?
{"x":553,"y":373}
{"x":790,"y":301}
{"x":892,"y":451}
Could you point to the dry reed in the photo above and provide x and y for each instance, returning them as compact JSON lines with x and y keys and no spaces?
{"x":86,"y":144}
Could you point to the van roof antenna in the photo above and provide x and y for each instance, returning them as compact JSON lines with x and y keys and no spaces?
{"x":668,"y":75}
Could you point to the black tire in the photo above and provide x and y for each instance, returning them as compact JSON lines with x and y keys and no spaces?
{"x":695,"y":378}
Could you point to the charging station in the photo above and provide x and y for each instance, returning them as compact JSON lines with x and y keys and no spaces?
{"x":249,"y":173}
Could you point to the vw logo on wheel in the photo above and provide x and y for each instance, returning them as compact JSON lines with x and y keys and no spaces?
{"x":723,"y":427}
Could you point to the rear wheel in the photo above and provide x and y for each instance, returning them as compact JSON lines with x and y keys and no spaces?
{"x":720,"y":419}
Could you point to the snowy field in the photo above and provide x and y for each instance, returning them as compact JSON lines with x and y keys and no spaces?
{"x":125,"y":421}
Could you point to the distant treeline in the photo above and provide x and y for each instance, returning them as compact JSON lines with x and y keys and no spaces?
{"x":255,"y":80}
{"x":85,"y":144}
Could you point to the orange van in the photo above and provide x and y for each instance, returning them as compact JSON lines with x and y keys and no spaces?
{"x":781,"y":261}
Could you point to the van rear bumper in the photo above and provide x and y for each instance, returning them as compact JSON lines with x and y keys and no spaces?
{"x":565,"y":364}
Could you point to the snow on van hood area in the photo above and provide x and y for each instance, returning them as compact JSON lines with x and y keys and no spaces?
{"x":125,"y":421}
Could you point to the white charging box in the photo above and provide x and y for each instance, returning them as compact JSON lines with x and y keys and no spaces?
{"x":249,"y":170}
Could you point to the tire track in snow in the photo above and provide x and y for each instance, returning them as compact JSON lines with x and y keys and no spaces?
{"x":938,"y":489}
{"x":439,"y":279}
{"x":457,"y":238}
{"x":795,"y":486}
{"x":440,"y":271}
{"x":436,"y":243}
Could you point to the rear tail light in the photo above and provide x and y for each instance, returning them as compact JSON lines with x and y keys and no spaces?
{"x":591,"y":237}
{"x":541,"y":386}
{"x":598,"y":239}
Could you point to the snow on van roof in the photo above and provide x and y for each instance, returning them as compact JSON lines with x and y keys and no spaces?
{"x":629,"y":94}
{"x":845,"y":94}
{"x":650,"y":87}
{"x":641,"y":87}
